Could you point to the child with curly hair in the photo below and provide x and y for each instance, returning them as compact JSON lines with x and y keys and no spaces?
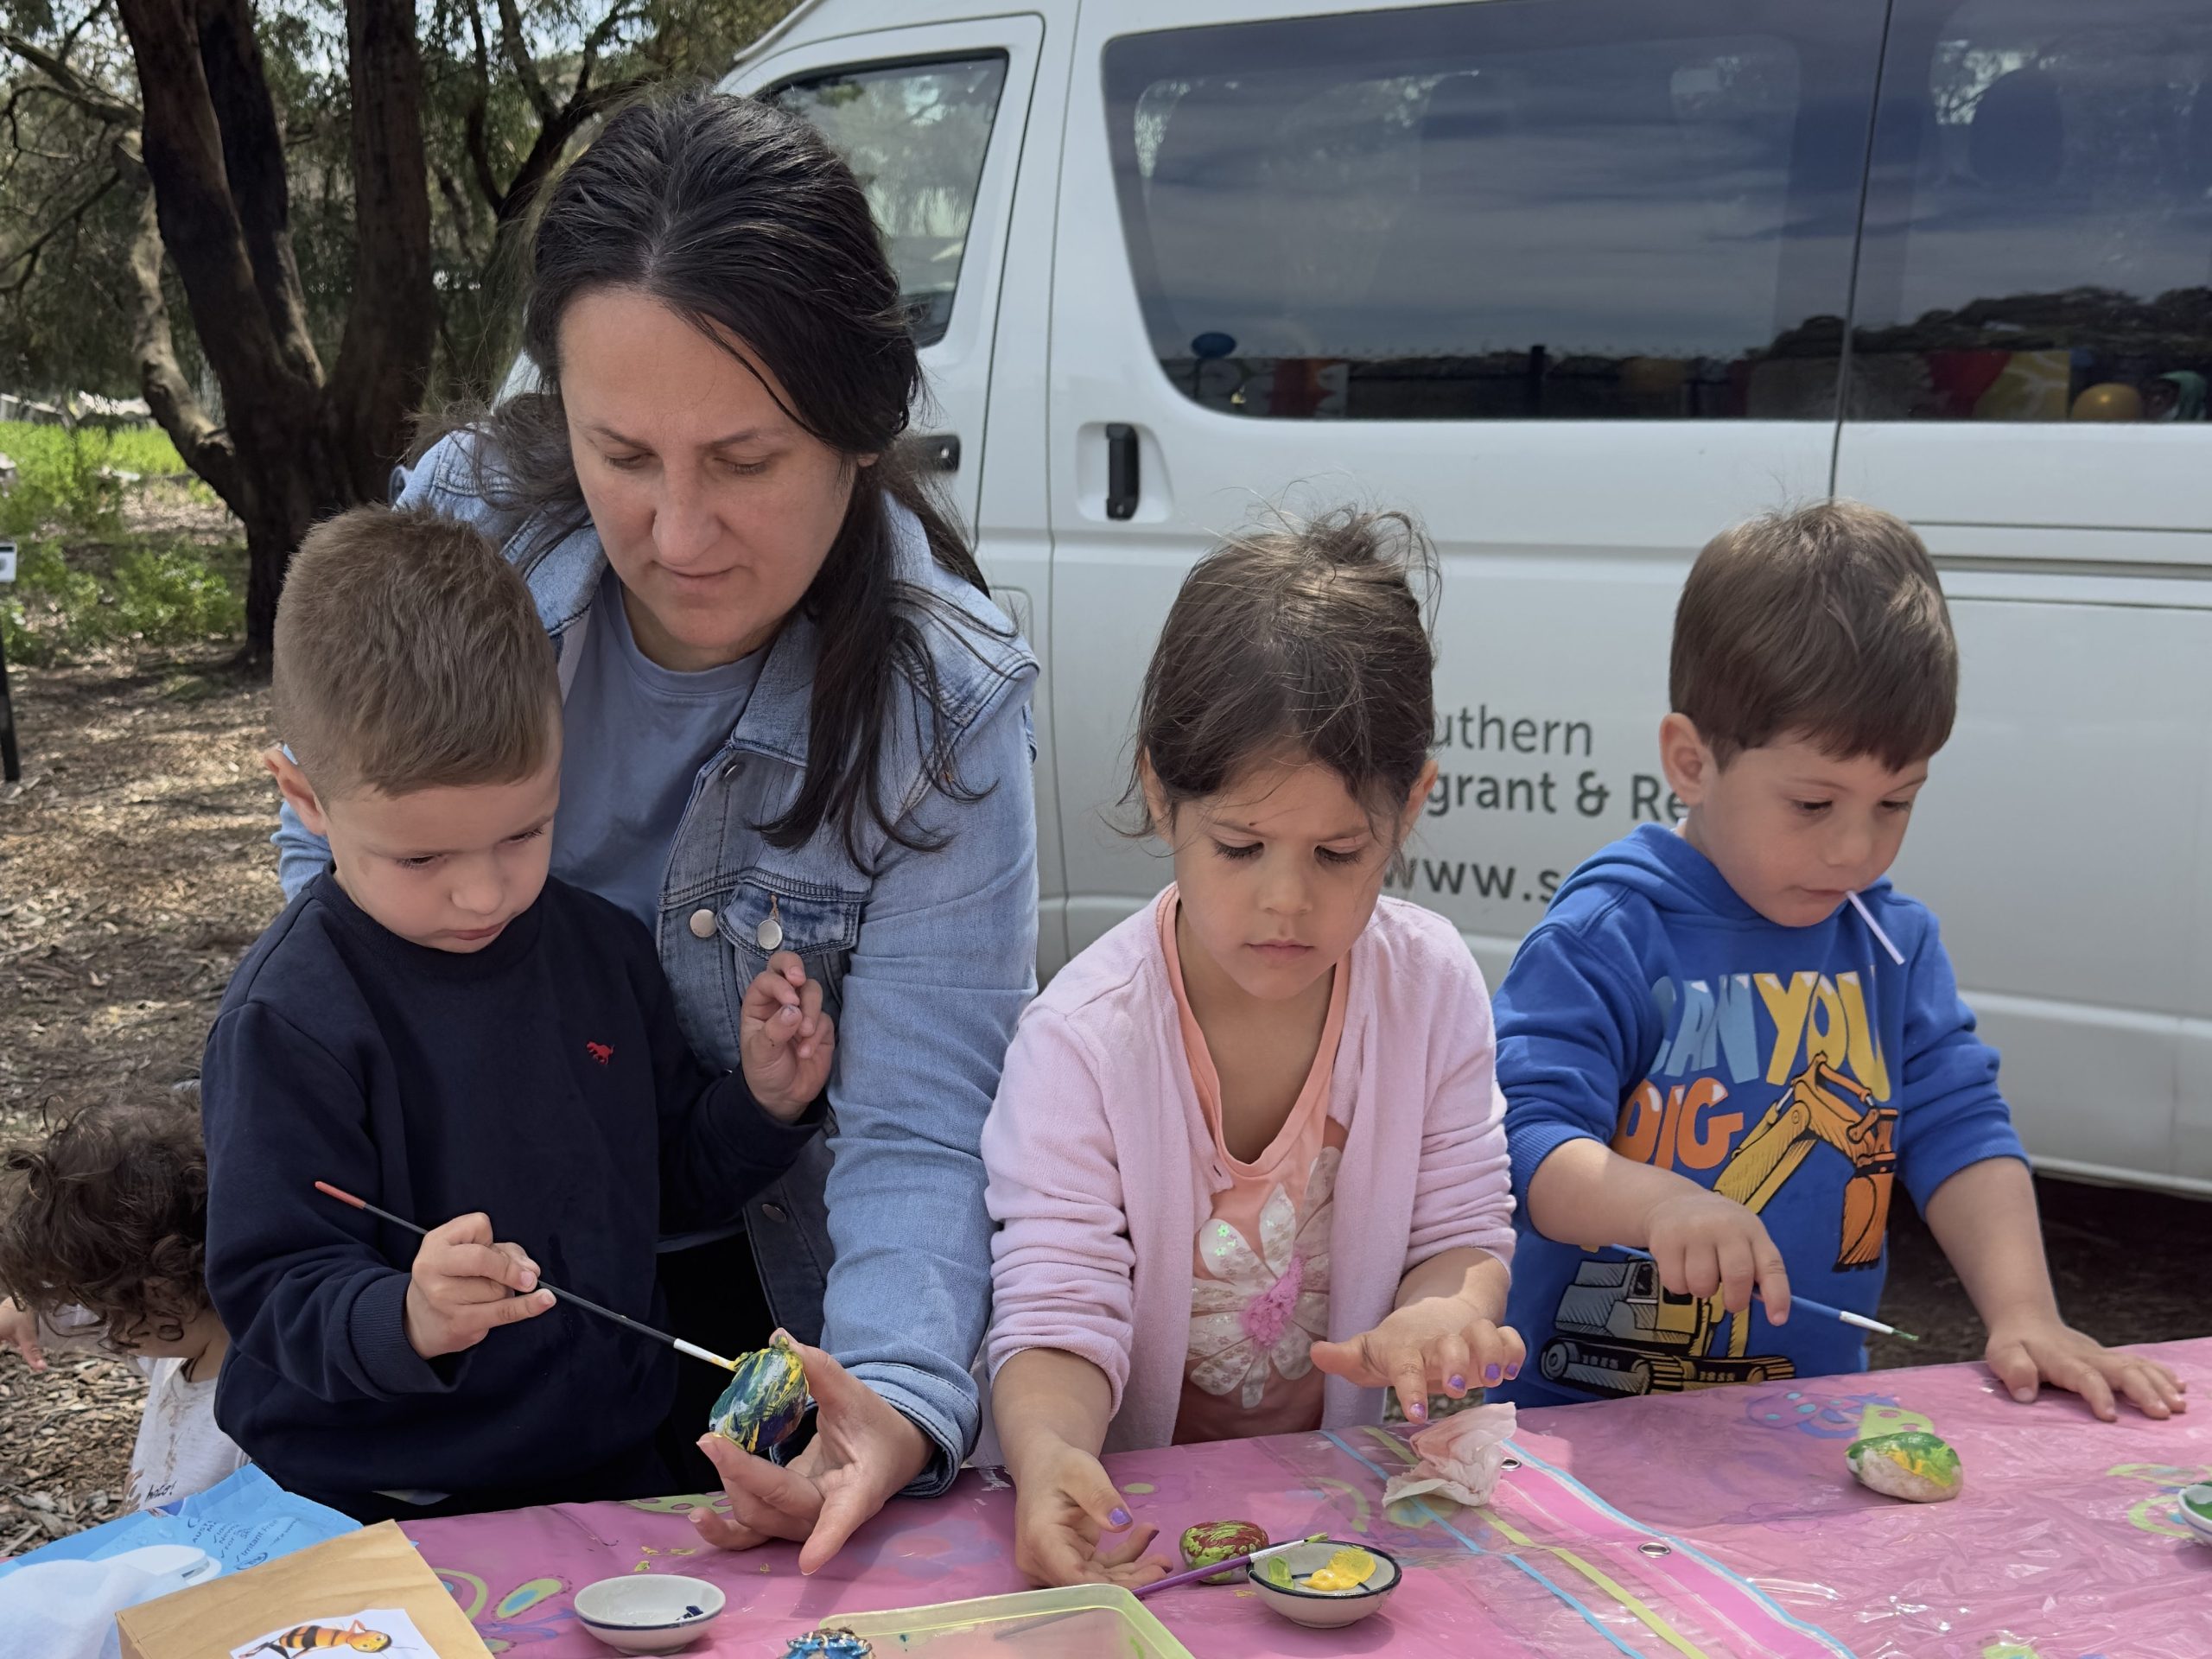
{"x":103,"y":1244}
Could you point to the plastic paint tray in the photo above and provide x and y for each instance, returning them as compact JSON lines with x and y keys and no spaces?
{"x":1083,"y":1621}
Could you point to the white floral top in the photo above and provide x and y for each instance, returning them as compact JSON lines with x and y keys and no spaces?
{"x":1260,"y":1264}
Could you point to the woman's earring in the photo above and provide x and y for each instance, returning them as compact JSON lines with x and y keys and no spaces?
{"x":770,"y":933}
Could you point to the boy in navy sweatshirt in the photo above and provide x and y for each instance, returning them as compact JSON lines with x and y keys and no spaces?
{"x":1728,"y":1040}
{"x":436,"y":1027}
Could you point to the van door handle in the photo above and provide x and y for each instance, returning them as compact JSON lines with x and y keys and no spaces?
{"x":1122,"y":487}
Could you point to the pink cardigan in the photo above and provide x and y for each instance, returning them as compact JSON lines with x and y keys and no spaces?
{"x":1102,"y":1169}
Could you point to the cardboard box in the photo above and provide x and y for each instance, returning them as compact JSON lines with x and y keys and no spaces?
{"x":376,"y":1566}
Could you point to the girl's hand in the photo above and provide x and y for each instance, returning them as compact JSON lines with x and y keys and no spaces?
{"x":19,"y":1330}
{"x":784,"y":1041}
{"x":2041,"y":1348}
{"x":464,"y":1284}
{"x":1065,"y":1509}
{"x":863,"y":1452}
{"x":1441,"y":1345}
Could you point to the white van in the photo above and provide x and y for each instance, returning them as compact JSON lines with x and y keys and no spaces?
{"x":1580,"y":282}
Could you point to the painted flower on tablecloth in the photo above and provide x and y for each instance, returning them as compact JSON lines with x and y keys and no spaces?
{"x":1254,"y":1311}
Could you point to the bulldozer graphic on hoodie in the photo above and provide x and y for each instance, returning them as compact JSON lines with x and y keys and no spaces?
{"x":1798,"y":1072}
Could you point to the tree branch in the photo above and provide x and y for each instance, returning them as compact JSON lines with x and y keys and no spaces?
{"x":595,"y":43}
{"x":475,"y":125}
{"x":205,"y":447}
{"x":519,"y":60}
{"x":81,"y":90}
{"x":31,"y":249}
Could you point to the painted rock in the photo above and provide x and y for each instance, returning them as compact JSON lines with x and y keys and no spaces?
{"x":1216,"y":1541}
{"x":765,"y":1400}
{"x":1919,"y":1467}
{"x":829,"y":1644}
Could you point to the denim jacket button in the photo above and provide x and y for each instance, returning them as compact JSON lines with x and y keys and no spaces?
{"x":703,"y":923}
{"x":774,"y":1212}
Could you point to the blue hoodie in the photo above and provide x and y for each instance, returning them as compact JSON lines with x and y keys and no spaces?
{"x":1796,"y":1069}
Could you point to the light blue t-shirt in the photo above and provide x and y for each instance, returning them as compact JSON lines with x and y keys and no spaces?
{"x":635,"y":735}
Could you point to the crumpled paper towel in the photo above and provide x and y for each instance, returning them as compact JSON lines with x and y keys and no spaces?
{"x":1460,"y":1457}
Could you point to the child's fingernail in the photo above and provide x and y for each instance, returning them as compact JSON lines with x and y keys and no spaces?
{"x":1418,"y":1411}
{"x":1492,"y":1373}
{"x":2023,"y":1395}
{"x":1118,"y":1520}
{"x":1457,"y":1381}
{"x":529,"y":1280}
{"x":1512,"y":1371}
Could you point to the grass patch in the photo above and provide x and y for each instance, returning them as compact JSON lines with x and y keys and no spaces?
{"x":67,"y":480}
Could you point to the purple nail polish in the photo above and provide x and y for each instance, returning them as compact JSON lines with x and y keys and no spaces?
{"x":1458,"y":1382}
{"x":1512,"y":1371}
{"x":1119,"y":1520}
{"x":1418,"y":1411}
{"x":1491,"y":1373}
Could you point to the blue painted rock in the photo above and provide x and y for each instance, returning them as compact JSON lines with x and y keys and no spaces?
{"x":829,"y":1644}
{"x":1216,"y":1541}
{"x":765,"y":1400}
{"x":1919,"y":1467}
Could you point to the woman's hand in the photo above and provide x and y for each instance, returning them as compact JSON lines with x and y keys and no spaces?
{"x":1065,"y":1509}
{"x":863,"y":1452}
{"x":1436,"y":1345}
{"x":784,"y":1041}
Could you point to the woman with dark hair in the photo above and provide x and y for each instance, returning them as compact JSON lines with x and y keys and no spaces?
{"x":793,"y":720}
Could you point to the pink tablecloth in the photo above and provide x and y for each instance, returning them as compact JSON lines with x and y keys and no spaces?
{"x":1719,"y":1523}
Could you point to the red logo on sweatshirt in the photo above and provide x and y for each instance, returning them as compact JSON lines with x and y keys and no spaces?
{"x":598,"y":1051}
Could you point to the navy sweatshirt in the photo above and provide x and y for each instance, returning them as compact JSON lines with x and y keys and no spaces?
{"x":543,"y":1080}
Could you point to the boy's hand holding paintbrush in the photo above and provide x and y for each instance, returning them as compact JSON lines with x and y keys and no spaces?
{"x":466,"y":1283}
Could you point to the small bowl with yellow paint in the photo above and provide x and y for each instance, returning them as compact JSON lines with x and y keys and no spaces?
{"x":1354,"y":1579}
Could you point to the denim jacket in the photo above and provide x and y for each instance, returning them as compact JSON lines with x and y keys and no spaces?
{"x":876,"y":1245}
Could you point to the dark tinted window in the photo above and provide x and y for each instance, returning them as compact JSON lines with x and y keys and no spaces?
{"x":2039,"y":228}
{"x":1589,"y":208}
{"x":916,"y":135}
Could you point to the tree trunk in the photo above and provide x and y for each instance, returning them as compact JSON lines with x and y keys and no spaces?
{"x":296,"y":447}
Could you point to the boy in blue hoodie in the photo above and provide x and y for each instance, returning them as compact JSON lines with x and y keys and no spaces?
{"x":1726,"y":1041}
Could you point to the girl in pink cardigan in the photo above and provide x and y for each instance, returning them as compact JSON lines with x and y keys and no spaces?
{"x":1248,"y":1154}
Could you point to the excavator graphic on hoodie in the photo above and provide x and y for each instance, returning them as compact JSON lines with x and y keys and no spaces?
{"x":1619,"y":1330}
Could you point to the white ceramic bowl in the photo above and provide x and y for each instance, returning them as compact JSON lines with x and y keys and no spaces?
{"x":2195,"y":1512}
{"x":649,"y":1612}
{"x":1327,"y":1610}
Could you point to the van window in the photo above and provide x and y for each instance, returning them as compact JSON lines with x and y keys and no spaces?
{"x":916,"y":135}
{"x":2040,"y":228}
{"x":1593,"y":209}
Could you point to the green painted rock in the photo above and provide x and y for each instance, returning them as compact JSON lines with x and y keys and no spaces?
{"x":1919,"y":1467}
{"x":1216,"y":1541}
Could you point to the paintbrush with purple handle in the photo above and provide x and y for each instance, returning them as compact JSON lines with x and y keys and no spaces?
{"x":1229,"y":1565}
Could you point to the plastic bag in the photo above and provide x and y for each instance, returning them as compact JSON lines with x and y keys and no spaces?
{"x":241,"y":1522}
{"x":1461,"y":1457}
{"x":66,"y":1609}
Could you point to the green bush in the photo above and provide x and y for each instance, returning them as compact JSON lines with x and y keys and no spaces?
{"x":153,"y":591}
